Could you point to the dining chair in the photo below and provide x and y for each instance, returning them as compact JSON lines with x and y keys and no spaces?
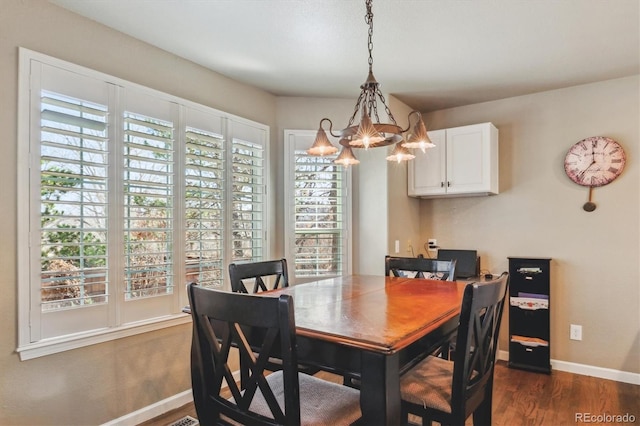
{"x":447,"y":391}
{"x":424,"y":268}
{"x":444,"y":270}
{"x":269,"y":270}
{"x":258,"y":325}
{"x":272,"y":272}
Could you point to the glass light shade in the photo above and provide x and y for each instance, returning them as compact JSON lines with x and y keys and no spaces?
{"x":322,"y":145}
{"x":346,"y":157}
{"x":400,"y":153}
{"x":367,"y":134}
{"x":419,"y":138}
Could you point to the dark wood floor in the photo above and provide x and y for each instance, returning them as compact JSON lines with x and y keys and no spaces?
{"x":525,"y":398}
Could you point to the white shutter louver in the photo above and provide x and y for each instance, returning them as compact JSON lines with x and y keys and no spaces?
{"x":148,"y":205}
{"x":247,"y":201}
{"x":319,"y":215}
{"x":73,"y":208}
{"x":204,"y":214}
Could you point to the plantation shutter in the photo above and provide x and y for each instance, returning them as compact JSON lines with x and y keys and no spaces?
{"x":318,"y":215}
{"x":317,"y":210}
{"x":247,"y":193}
{"x":73,"y":186}
{"x":71,"y":223}
{"x":125,"y":194}
{"x":148,"y":197}
{"x":204,"y":199}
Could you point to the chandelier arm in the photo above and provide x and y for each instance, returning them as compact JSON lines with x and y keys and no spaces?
{"x":409,"y":120}
{"x":330,"y":127}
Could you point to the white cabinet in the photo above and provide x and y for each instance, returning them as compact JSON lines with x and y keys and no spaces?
{"x":464,"y":162}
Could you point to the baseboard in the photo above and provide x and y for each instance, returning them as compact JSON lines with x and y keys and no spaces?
{"x":158,"y":408}
{"x":587,"y":370}
{"x":153,"y":410}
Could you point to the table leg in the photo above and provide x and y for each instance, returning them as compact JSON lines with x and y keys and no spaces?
{"x":380,"y":389}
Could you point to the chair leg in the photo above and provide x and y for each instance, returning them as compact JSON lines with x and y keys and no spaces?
{"x":482,"y":415}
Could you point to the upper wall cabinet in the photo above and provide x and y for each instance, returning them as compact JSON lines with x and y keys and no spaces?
{"x":464,"y":162}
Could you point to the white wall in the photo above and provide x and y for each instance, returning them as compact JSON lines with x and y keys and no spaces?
{"x":594,"y":271}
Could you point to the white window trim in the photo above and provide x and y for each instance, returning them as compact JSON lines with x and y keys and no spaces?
{"x":29,"y":350}
{"x":290,"y":137}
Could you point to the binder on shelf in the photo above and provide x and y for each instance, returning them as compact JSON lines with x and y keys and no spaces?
{"x":529,"y":303}
{"x":529,"y":341}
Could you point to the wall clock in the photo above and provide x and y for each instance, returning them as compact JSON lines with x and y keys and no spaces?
{"x":594,"y":162}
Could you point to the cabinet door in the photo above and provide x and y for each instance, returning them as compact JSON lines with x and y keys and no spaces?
{"x":469,"y":159}
{"x":427,"y":175}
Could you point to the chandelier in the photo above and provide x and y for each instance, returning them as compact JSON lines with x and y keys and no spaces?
{"x":370,"y":132}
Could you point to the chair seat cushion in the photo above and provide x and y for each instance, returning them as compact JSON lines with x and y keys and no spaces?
{"x":321,"y":402}
{"x":428,"y":384}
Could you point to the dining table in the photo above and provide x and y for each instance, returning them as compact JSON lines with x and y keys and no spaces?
{"x":372,"y":329}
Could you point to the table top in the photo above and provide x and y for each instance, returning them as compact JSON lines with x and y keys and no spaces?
{"x":376,"y":313}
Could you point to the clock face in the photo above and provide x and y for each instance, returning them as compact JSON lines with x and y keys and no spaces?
{"x":594,"y":161}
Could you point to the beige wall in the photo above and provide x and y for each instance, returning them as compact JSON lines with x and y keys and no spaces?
{"x":404,"y":212}
{"x":595,"y":277}
{"x":99,"y":383}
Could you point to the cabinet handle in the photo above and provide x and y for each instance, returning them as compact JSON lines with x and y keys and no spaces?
{"x":441,"y":184}
{"x":448,"y":183}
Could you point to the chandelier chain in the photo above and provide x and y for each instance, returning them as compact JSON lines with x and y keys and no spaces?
{"x":369,"y":20}
{"x":356,"y":109}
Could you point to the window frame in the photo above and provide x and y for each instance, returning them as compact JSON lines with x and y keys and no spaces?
{"x":305,"y":138}
{"x":28,"y":206}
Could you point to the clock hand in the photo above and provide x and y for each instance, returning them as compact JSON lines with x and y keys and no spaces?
{"x":585,"y":170}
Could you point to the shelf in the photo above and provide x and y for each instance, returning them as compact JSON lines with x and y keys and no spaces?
{"x":529,"y":314}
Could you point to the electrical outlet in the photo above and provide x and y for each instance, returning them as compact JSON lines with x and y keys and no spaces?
{"x":409,"y":247}
{"x":432,"y":244}
{"x":575,"y":332}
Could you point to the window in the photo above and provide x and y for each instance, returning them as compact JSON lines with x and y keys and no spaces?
{"x":318,"y":210}
{"x":126,"y":195}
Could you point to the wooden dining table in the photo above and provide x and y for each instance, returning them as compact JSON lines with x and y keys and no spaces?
{"x":372,"y":328}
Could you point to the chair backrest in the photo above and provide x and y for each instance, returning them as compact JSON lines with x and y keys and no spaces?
{"x":435,"y":269}
{"x":476,"y":343}
{"x":275,"y":270}
{"x":222,"y":320}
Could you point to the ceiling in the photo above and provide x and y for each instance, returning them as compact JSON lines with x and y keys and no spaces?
{"x":430,"y":54}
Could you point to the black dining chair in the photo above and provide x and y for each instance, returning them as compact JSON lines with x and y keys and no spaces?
{"x":422,"y":267}
{"x":222,"y":320}
{"x":447,"y":391}
{"x":265,"y":275}
{"x":272,"y":271}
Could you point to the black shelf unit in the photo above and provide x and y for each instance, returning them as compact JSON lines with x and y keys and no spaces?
{"x":529,"y":319}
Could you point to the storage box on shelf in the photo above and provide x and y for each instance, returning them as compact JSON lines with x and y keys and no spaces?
{"x":529,"y":319}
